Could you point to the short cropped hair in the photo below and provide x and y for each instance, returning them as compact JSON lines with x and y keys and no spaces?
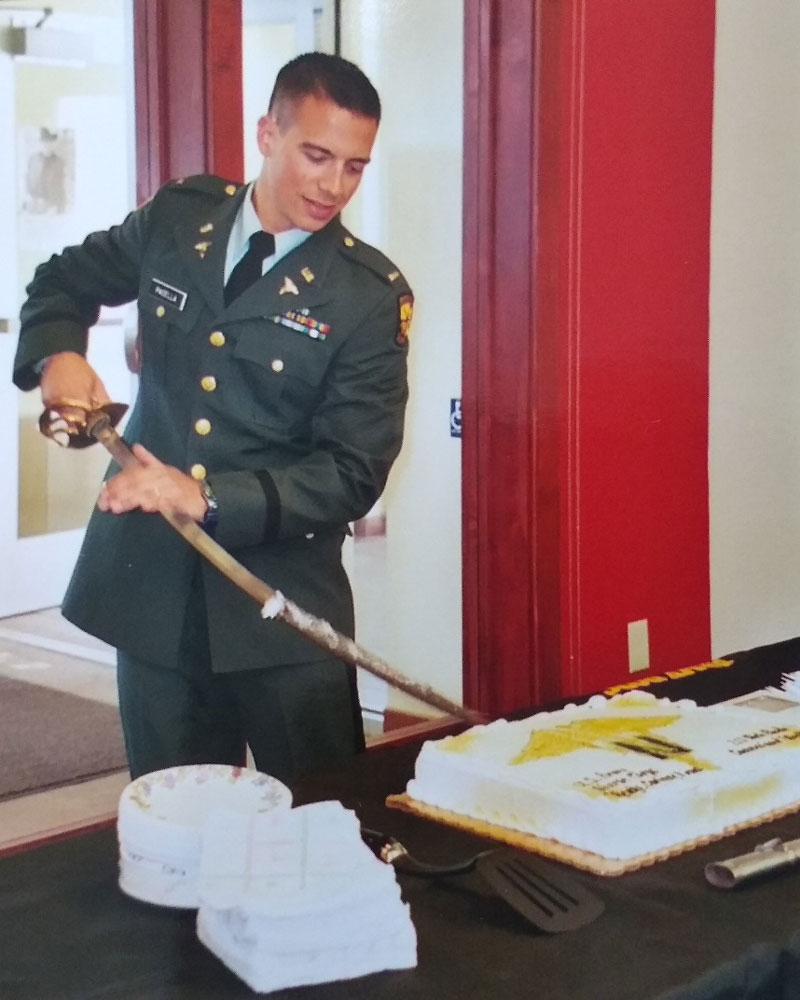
{"x":325,"y":75}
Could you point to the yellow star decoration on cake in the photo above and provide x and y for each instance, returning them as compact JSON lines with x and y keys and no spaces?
{"x":618,"y":734}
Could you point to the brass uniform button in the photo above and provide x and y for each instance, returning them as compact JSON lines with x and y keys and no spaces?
{"x":160,"y":310}
{"x":277,"y":365}
{"x":217,"y":338}
{"x":230,"y":189}
{"x":198,"y":472}
{"x":209,"y":383}
{"x":349,"y":241}
{"x":202,"y":427}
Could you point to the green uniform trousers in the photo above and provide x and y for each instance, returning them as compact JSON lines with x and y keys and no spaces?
{"x":295,"y":718}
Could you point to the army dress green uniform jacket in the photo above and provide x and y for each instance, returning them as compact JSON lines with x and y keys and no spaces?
{"x":291,"y":401}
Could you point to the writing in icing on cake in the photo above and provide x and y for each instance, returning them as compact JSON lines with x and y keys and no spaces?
{"x":623,"y":784}
{"x":771,"y":736}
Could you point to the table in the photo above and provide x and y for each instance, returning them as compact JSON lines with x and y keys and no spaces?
{"x":68,"y":933}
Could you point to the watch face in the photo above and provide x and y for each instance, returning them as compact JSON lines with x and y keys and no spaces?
{"x":212,"y":507}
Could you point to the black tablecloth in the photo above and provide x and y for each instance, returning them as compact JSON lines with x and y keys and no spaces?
{"x":68,"y":933}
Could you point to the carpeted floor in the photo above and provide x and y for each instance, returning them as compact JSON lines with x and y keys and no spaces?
{"x":49,"y":738}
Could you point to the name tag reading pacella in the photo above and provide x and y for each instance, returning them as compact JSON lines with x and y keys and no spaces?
{"x":169,"y":294}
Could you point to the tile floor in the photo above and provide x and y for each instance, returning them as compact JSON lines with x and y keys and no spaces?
{"x":44,"y":649}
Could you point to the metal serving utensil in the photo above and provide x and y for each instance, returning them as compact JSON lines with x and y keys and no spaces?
{"x":773,"y":856}
{"x":542,"y":893}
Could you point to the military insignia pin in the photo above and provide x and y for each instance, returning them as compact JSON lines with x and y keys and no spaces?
{"x":303,"y":323}
{"x":308,"y":274}
{"x":202,"y":247}
{"x":405,"y":306}
{"x":393,"y":275}
{"x":207,"y":227}
{"x":288,"y":287}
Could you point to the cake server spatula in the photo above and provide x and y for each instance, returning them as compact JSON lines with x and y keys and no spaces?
{"x":546,"y":896}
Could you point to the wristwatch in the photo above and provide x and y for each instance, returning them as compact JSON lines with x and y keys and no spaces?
{"x":209,"y":522}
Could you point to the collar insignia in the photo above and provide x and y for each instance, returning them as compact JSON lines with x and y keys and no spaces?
{"x":288,"y":287}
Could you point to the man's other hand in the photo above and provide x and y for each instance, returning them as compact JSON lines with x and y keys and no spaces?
{"x":153,"y":487}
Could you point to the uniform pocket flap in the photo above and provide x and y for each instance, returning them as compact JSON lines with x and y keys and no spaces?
{"x":283,"y":352}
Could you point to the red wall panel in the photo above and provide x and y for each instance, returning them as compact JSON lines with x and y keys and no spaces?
{"x":636,"y":468}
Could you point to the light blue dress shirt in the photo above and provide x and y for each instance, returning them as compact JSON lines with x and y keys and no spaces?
{"x":245,"y":224}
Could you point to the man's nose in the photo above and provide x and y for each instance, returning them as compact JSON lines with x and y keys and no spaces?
{"x":332,"y":181}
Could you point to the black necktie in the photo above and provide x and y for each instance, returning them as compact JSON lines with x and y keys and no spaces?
{"x":248,"y":269}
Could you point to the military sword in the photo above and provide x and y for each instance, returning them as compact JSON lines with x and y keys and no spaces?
{"x":76,"y":427}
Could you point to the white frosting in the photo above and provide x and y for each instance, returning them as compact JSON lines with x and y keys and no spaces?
{"x":619,"y":777}
{"x":273,"y":605}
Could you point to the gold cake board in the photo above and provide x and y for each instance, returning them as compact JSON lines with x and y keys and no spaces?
{"x":585,"y":860}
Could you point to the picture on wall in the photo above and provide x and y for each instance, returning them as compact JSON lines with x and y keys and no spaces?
{"x":46,"y":181}
{"x":49,"y":156}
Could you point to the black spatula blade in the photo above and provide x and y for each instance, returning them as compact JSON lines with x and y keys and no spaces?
{"x":546,"y":896}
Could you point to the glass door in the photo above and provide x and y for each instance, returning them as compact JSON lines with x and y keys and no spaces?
{"x":66,"y":108}
{"x":406,"y":566}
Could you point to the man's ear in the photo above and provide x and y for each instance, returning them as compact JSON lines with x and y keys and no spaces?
{"x":267,"y":129}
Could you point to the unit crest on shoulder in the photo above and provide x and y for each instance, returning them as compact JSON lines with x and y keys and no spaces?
{"x":405,"y":308}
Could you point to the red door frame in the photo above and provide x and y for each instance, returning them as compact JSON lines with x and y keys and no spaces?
{"x":188,"y":90}
{"x":510,"y":484}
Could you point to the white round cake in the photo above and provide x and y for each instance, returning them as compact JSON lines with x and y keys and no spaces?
{"x":160,"y":825}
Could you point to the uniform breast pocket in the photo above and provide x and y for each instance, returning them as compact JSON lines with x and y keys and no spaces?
{"x":170,"y":307}
{"x":285,"y":372}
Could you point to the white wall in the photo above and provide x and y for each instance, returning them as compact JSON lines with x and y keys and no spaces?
{"x":754,"y":448}
{"x":273,"y":32}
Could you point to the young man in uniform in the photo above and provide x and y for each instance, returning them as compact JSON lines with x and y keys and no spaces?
{"x":270,"y":409}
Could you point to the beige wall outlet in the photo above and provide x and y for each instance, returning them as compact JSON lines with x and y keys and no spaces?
{"x":638,"y":646}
